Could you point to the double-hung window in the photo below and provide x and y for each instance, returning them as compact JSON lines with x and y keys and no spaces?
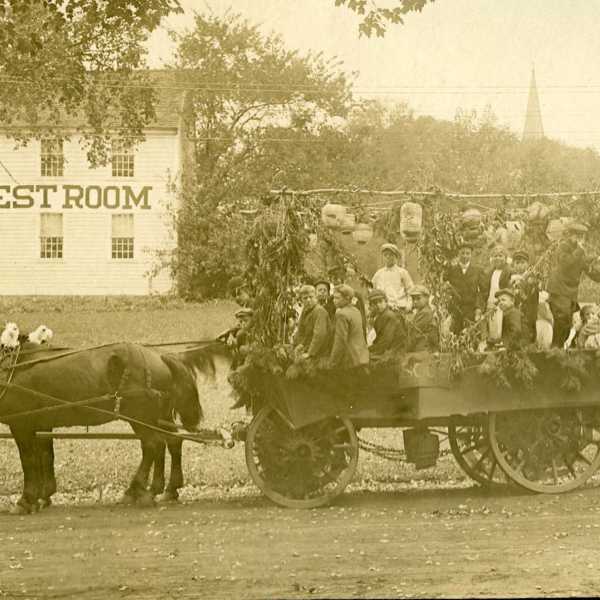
{"x":51,"y":235}
{"x":122,"y":237}
{"x":122,"y":158}
{"x":52,"y":157}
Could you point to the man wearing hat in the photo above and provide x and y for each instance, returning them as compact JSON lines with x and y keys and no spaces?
{"x":423,"y":331}
{"x":349,"y":348}
{"x":338,"y":277}
{"x":313,"y":335}
{"x":527,"y":291}
{"x":467,"y":289}
{"x":390,"y":327}
{"x":393,"y":279}
{"x":563,"y":283}
{"x":512,"y":327}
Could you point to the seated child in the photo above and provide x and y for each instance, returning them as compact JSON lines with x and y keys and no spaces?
{"x":589,"y":333}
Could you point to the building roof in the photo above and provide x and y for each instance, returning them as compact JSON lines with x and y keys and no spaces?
{"x":169,"y":96}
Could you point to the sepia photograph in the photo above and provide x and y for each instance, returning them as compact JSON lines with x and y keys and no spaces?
{"x":299,"y":299}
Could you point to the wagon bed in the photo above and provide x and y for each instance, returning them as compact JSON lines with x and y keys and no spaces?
{"x":302,"y":448}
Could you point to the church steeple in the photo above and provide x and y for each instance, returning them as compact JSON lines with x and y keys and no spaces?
{"x":533,"y":129}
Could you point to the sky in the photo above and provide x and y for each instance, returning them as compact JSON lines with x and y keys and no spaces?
{"x":454,"y":54}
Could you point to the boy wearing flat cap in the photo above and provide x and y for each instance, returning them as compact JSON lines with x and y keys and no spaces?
{"x":563,"y":283}
{"x":390,"y":328}
{"x":512,"y":328}
{"x":312,"y":336}
{"x":324,"y":298}
{"x":423,"y":331}
{"x":338,"y":277}
{"x":393,"y":279}
{"x":527,"y":291}
{"x":349,"y":348}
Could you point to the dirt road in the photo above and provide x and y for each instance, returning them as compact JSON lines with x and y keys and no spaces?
{"x":420,"y":543}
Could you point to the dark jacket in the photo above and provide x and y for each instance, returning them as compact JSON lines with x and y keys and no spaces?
{"x":390,"y":332}
{"x":360,"y":304}
{"x":503,"y":282}
{"x":527,"y":294}
{"x":349,"y":344}
{"x":314,"y":331}
{"x":571,"y":262}
{"x":329,"y":306}
{"x":423,"y":333}
{"x":467,"y":290}
{"x":512,"y":328}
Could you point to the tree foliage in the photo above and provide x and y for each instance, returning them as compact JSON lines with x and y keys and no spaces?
{"x":66,"y":62}
{"x":258,"y":113}
{"x":375,"y":19}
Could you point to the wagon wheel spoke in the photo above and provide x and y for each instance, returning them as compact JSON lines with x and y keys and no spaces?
{"x":546,"y":450}
{"x":308,"y":467}
{"x":471,"y":449}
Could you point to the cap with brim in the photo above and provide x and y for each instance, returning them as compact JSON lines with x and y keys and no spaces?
{"x":375,"y":295}
{"x":578,"y":227}
{"x":418,"y":290}
{"x":244,"y":312}
{"x":505,"y":292}
{"x":390,"y":248}
{"x":322,"y":282}
{"x":521,"y":254}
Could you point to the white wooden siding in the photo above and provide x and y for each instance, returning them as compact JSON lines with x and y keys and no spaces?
{"x":86,"y":267}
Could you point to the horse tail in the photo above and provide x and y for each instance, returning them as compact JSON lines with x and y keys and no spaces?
{"x":184,"y":392}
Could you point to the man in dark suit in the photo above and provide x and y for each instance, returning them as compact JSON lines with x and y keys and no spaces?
{"x":467,"y":289}
{"x":423,"y":331}
{"x":390,"y":328}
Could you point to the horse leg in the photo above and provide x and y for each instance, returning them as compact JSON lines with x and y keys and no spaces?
{"x":158,"y":474}
{"x":137,"y":490}
{"x":48,"y":477}
{"x":176,"y":476}
{"x":30,"y":463}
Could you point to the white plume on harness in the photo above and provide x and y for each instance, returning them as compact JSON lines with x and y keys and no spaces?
{"x":9,"y":338}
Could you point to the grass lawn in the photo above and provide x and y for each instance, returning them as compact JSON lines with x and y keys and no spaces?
{"x":93,"y":470}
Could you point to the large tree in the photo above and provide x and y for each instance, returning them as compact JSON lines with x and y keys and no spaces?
{"x":66,"y":61}
{"x":261,"y":115}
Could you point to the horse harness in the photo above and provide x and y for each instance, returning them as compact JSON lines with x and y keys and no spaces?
{"x":8,"y":361}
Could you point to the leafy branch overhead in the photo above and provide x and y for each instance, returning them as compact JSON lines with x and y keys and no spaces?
{"x":77,"y":62}
{"x":375,"y":19}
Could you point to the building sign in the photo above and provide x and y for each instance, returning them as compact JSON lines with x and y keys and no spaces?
{"x":123,"y":197}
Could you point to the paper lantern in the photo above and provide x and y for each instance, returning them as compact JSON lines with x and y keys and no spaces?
{"x":362,"y":233}
{"x":471,"y":217}
{"x":411,"y":220}
{"x":332,"y":215}
{"x":348,"y":222}
{"x":557,"y":227}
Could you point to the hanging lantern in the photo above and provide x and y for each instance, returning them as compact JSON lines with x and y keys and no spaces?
{"x":347,"y":224}
{"x":557,"y":227}
{"x":471,"y":217}
{"x":537,"y":211}
{"x":362,"y":233}
{"x":332,"y":215}
{"x":411,"y":220}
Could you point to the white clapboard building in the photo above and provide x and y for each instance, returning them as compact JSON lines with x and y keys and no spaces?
{"x":67,"y":228}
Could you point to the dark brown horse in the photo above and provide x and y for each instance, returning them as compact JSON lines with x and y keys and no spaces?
{"x":106,"y":383}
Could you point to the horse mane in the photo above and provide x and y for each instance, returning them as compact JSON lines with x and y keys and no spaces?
{"x":202,"y":357}
{"x":186,"y":382}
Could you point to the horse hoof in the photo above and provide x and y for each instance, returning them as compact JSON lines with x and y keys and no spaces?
{"x":167,"y":498}
{"x":126,"y":500}
{"x":145,"y":500}
{"x":19,"y":510}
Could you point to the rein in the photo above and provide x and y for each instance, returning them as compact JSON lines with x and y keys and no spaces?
{"x":10,"y":368}
{"x":69,"y":352}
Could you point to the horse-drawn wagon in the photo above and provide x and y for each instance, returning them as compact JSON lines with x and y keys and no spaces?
{"x":302,"y":445}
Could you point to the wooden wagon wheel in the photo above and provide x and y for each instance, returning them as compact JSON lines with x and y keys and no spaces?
{"x":547,"y":450}
{"x":470,"y":446}
{"x":301,"y":468}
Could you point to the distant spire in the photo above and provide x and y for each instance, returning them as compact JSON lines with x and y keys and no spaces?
{"x":533,"y":130}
